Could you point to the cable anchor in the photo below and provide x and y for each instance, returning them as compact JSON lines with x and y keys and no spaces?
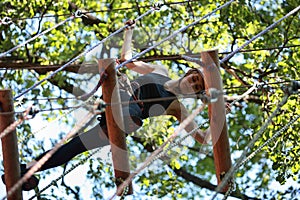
{"x":212,"y":97}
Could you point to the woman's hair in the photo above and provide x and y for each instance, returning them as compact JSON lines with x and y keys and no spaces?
{"x":196,"y":71}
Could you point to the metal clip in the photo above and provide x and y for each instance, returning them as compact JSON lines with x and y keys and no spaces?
{"x":6,"y":21}
{"x":212,"y":97}
{"x":214,"y":94}
{"x":79,"y":14}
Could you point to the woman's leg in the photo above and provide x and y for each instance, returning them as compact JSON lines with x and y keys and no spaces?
{"x":91,"y":139}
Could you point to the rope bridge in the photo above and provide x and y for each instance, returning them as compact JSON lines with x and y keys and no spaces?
{"x":159,"y":152}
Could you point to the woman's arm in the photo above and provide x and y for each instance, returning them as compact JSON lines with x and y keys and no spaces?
{"x":138,"y":66}
{"x":179,"y":111}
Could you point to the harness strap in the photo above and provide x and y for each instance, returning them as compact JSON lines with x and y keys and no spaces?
{"x":132,"y":88}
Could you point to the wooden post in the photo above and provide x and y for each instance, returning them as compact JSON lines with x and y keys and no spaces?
{"x":218,"y":127}
{"x":9,"y":144}
{"x":114,"y":121}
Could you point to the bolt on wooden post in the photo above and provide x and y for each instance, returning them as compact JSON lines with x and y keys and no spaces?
{"x":9,"y":144}
{"x":218,"y":126}
{"x":114,"y":121}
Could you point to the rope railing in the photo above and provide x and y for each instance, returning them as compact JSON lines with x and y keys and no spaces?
{"x":79,"y":56}
{"x":47,"y":156}
{"x":236,"y":166}
{"x":77,"y":14}
{"x":174,"y":34}
{"x":228,"y":57}
{"x":21,"y":118}
{"x":65,"y":173}
{"x":154,"y":154}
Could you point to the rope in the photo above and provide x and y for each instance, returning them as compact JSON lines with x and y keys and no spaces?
{"x":13,"y":126}
{"x":229,"y":191}
{"x":46,"y":157}
{"x":260,"y":149}
{"x":270,"y":140}
{"x":99,"y":11}
{"x":79,"y":56}
{"x":173,"y":35}
{"x":249,"y":91}
{"x":156,"y":157}
{"x":234,"y":168}
{"x":154,"y":99}
{"x":65,"y":173}
{"x":56,"y":119}
{"x":157,"y":151}
{"x":259,"y":34}
{"x":36,"y":36}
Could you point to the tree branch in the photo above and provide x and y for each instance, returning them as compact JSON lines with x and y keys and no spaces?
{"x":191,"y":178}
{"x":205,"y":184}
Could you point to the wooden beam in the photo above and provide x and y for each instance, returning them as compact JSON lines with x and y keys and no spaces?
{"x":9,"y":145}
{"x":218,"y":127}
{"x":114,"y":121}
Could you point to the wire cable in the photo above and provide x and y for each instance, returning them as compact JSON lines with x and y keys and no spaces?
{"x":24,"y":116}
{"x":228,"y":57}
{"x":174,"y":34}
{"x":65,"y":173}
{"x":160,"y":149}
{"x":10,"y":20}
{"x":36,"y":36}
{"x":46,"y":157}
{"x":79,"y":56}
{"x":236,"y":166}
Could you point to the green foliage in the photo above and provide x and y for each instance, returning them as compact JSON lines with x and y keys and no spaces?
{"x":226,"y":30}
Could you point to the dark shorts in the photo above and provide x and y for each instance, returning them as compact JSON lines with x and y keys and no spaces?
{"x":131,"y":114}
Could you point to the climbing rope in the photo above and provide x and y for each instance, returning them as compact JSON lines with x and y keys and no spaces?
{"x":46,"y":157}
{"x":278,"y":133}
{"x":236,"y":166}
{"x":85,"y":104}
{"x":259,"y":149}
{"x":228,"y":57}
{"x":229,"y":191}
{"x":78,"y":13}
{"x":28,"y":114}
{"x":97,"y":11}
{"x":249,"y":91}
{"x":80,"y":55}
{"x":173,"y":35}
{"x":65,"y":173}
{"x":160,"y":149}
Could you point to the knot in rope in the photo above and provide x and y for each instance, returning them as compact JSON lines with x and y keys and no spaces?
{"x":6,"y":21}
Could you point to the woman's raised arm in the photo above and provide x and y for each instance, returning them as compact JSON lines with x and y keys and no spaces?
{"x":138,"y":66}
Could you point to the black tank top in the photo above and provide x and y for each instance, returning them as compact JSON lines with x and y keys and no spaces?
{"x":152,"y":86}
